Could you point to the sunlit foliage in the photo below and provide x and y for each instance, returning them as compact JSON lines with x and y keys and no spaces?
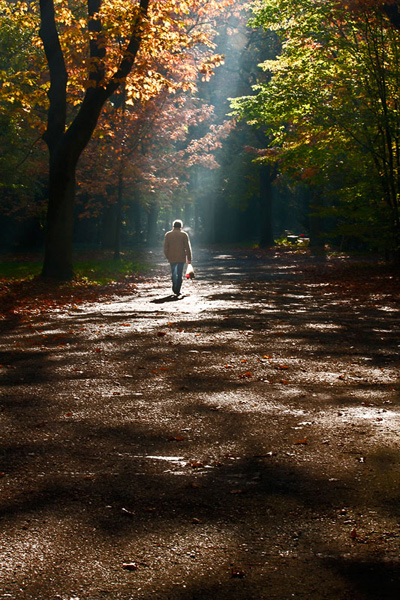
{"x":331,"y":108}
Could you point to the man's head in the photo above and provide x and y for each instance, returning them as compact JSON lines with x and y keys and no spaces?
{"x":178,"y":224}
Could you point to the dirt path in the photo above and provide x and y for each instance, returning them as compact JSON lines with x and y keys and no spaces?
{"x":239,"y":443}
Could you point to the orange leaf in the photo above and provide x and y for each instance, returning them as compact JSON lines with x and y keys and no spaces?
{"x":247,"y":374}
{"x":303,"y":442}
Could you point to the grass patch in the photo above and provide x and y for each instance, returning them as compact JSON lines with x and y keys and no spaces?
{"x":95,"y":270}
{"x":103,"y":271}
{"x":19,"y":269}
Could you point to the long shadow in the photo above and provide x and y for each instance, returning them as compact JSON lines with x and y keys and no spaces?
{"x":127,"y":492}
{"x":170,"y":298}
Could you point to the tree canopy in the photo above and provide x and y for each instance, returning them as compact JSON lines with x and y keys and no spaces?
{"x":330,"y":108}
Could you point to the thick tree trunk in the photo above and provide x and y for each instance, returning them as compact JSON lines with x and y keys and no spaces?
{"x":64,"y":156}
{"x":60,"y":221}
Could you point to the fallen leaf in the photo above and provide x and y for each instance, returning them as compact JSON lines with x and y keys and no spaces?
{"x":303,"y":442}
{"x":247,"y":374}
{"x":353,"y":534}
{"x":161,"y":333}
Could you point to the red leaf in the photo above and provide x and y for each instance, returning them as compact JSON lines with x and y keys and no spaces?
{"x":303,"y":442}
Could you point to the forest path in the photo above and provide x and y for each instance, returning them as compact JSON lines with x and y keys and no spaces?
{"x":241,"y":442}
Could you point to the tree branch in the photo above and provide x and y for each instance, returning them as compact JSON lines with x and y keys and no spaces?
{"x":58,"y":75}
{"x":81,"y":129}
{"x":131,"y":51}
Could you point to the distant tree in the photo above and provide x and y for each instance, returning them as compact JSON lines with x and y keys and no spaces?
{"x":147,"y":152}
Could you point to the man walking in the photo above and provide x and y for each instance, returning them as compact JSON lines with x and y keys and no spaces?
{"x":178,"y":251}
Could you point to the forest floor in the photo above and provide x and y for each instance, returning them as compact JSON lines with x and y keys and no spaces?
{"x":239,"y":443}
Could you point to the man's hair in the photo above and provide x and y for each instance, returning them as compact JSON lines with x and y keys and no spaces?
{"x":178,"y":224}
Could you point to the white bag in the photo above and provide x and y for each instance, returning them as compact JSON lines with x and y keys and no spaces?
{"x":190,"y":272}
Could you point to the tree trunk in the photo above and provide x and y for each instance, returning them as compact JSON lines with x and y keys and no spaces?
{"x":316,"y":224}
{"x":152,"y":224}
{"x":108,"y":224}
{"x":267,"y":235}
{"x":136,"y":219}
{"x":66,"y":145}
{"x":60,"y":219}
{"x":118,"y":217}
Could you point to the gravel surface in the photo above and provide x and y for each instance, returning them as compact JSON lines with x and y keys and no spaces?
{"x":238,"y":443}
